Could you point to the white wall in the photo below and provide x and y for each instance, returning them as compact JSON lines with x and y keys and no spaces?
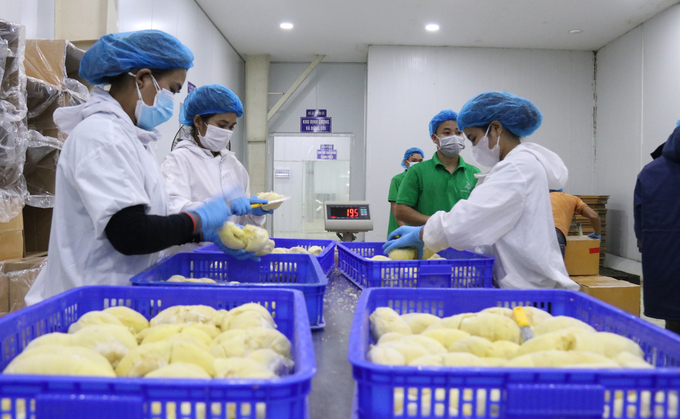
{"x":36,"y":15}
{"x":407,"y":86}
{"x":340,"y":88}
{"x":215,"y":60}
{"x":638,"y":96}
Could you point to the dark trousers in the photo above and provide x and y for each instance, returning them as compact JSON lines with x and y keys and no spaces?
{"x":673,"y":326}
{"x":562,"y":240}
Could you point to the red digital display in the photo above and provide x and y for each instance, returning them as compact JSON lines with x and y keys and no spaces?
{"x":345,"y":212}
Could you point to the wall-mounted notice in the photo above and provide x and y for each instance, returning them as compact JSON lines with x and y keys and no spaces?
{"x":316,"y":121}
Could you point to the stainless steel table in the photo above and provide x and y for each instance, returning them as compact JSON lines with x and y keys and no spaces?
{"x":333,"y":386}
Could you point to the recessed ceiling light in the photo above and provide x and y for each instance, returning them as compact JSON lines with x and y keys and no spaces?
{"x":432,"y":27}
{"x":286,"y":25}
{"x":575,"y":31}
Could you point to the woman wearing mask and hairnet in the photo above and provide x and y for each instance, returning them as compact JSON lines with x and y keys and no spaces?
{"x":510,"y":210}
{"x":201,"y":165}
{"x":110,"y":218}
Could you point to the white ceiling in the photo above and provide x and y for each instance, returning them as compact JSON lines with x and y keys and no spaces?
{"x":343,"y":29}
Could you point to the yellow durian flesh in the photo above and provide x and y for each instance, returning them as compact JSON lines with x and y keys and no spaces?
{"x":475,"y":345}
{"x":385,"y":355}
{"x":55,"y":338}
{"x":58,"y":364}
{"x":144,"y":359}
{"x":225,"y":324}
{"x":241,"y":368}
{"x":179,"y":370}
{"x":94,"y":318}
{"x":232,"y":236}
{"x":556,"y":323}
{"x":384,"y":320}
{"x":113,"y":342}
{"x":129,"y":317}
{"x":403,"y":254}
{"x":491,"y":326}
{"x":76,"y":351}
{"x":445,"y":336}
{"x":418,"y":322}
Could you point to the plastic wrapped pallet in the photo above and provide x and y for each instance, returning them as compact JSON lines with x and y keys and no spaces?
{"x":12,"y":114}
{"x":54,"y":63}
{"x":40,"y":169}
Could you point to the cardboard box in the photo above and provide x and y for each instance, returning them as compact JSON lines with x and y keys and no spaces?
{"x":12,"y":239}
{"x":582,"y":256}
{"x":21,"y":274}
{"x":37,"y":224}
{"x":621,"y":294}
{"x":4,"y":292}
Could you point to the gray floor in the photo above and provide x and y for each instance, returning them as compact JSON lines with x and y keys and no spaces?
{"x":333,"y":386}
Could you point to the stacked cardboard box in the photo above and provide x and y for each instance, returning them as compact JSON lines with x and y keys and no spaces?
{"x":16,"y":278}
{"x":52,"y":82}
{"x":599,"y":204}
{"x":621,"y":294}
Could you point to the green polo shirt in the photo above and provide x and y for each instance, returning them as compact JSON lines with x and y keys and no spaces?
{"x":392,"y":197}
{"x":428,"y":187}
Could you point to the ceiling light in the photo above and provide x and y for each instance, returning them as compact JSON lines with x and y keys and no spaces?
{"x":575,"y":31}
{"x":432,"y":27}
{"x":286,"y":25}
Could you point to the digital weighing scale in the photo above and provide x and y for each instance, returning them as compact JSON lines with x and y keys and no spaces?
{"x":346,"y":218}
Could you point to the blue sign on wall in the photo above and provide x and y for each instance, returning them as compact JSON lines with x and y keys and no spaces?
{"x":316,"y":112}
{"x":326,"y":152}
{"x":190,"y":87}
{"x":316,"y":124}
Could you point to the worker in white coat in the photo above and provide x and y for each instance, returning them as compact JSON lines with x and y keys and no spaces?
{"x":509,"y":213}
{"x":201,"y":165}
{"x":110,"y":218}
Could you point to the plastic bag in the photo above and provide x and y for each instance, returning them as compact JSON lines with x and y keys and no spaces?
{"x":42,"y":155}
{"x":20,"y":282}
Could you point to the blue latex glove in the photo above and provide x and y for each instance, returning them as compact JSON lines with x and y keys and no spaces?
{"x":259,"y":211}
{"x":594,"y":236}
{"x":410,"y":237}
{"x":240,"y":206}
{"x":214,"y":237}
{"x":213,"y":213}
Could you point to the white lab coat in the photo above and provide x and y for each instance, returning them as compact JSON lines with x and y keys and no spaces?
{"x":107,"y":164}
{"x":193,"y":175}
{"x":510,"y":216}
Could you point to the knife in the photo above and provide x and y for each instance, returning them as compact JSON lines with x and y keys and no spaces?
{"x":523,"y":323}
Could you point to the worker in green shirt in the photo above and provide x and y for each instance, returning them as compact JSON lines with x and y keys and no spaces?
{"x":437,"y":184}
{"x":413,"y":156}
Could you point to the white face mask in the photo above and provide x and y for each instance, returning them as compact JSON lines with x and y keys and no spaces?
{"x":485,"y":156}
{"x":215,"y":138}
{"x":412,"y":163}
{"x":451,"y":145}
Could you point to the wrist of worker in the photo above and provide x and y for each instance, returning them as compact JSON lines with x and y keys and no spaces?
{"x":198,"y":223}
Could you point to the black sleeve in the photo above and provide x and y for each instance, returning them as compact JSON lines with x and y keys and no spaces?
{"x":132,"y":232}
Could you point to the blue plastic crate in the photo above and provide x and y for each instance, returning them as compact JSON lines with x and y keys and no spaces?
{"x":461,"y":269}
{"x":326,"y":258}
{"x":298,"y":272}
{"x":47,"y":397}
{"x":520,"y":392}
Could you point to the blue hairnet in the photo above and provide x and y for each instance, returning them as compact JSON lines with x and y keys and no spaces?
{"x":209,"y":99}
{"x":118,"y":53}
{"x":445,"y":115}
{"x":411,"y":151}
{"x":517,"y":114}
{"x":677,"y":124}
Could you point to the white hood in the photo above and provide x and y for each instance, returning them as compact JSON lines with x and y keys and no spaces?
{"x":557,"y":172}
{"x":69,"y":117}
